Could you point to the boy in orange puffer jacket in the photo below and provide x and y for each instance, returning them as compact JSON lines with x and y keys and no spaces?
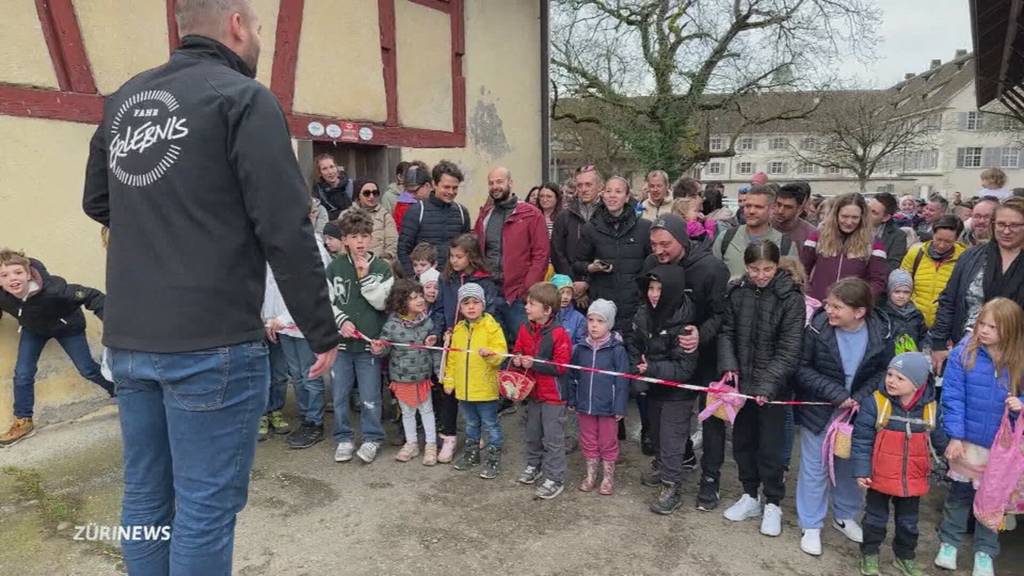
{"x":892,"y":458}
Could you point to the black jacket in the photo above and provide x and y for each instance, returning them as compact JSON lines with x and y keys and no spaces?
{"x":821,"y":377}
{"x":951,"y":315}
{"x":433,"y":221}
{"x":761,"y":335}
{"x":565,"y":238}
{"x":335,"y":200}
{"x":56,"y":309}
{"x":910,"y":322}
{"x":624,"y":242}
{"x":707,"y":281}
{"x":655,"y":331}
{"x":193,"y":171}
{"x":895,"y":242}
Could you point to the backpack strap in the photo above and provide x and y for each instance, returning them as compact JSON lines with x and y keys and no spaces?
{"x":727,"y":239}
{"x":917,"y":262}
{"x":884,"y":409}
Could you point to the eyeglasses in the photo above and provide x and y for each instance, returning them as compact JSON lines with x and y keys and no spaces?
{"x":368,"y":193}
{"x":1015,"y":227}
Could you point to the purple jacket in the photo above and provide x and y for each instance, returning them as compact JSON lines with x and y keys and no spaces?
{"x":824,"y":271}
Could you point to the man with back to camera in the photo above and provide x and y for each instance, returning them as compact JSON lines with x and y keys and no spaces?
{"x":194,"y":218}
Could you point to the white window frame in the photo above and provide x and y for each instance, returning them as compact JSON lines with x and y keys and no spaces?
{"x":751,"y":167}
{"x":714,"y":169}
{"x":1010,"y":124}
{"x":806,"y":168}
{"x":746,"y":144}
{"x":715,"y":144}
{"x":778,"y":143}
{"x":972,"y":121}
{"x":809,"y":143}
{"x":776,"y":168}
{"x":933,"y":121}
{"x":1009,"y":158}
{"x":969,"y":157}
{"x":832,"y":170}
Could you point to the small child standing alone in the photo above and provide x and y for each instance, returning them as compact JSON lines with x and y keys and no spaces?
{"x":410,"y":368}
{"x":542,"y":338}
{"x":891,"y":458}
{"x":600,"y":399}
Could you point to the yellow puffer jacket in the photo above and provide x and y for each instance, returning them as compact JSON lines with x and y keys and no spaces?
{"x":930,"y":279}
{"x":473,"y":377}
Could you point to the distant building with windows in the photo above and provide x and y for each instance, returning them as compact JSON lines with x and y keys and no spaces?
{"x":963,"y":141}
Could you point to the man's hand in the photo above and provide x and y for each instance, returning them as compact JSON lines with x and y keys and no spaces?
{"x":864,"y":483}
{"x":689,"y":339}
{"x":641,"y":368}
{"x":348,"y":329}
{"x":324,"y":361}
{"x":938,"y":358}
{"x":271,"y":328}
{"x":580,"y":288}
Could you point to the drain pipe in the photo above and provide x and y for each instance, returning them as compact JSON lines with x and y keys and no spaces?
{"x":545,"y":97}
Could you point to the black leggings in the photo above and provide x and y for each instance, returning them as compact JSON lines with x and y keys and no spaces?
{"x":446,"y":410}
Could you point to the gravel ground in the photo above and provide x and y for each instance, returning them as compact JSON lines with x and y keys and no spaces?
{"x":308,"y":515}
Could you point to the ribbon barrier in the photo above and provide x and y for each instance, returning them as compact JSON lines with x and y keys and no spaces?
{"x":711,"y":390}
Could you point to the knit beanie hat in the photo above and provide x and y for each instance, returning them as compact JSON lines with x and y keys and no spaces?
{"x":333,"y":230}
{"x":900,"y":278}
{"x":674,"y":225}
{"x":472,"y":290}
{"x":605,"y":309}
{"x":430,"y":275}
{"x":561,"y":281}
{"x":915,"y":366}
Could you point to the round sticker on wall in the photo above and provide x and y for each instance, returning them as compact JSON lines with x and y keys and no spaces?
{"x":315,"y":128}
{"x":366,"y":134}
{"x":333,"y":130}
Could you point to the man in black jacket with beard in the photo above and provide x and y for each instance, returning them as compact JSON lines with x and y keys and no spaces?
{"x":193,"y":171}
{"x":707,"y":280}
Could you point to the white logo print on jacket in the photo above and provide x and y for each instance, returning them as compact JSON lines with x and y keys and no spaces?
{"x":142,"y":135}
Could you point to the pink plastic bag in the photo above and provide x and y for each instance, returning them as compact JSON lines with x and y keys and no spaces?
{"x":838,"y":440}
{"x":724,"y":404}
{"x":1002,"y":475}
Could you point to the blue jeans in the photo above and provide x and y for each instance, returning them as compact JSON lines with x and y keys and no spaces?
{"x":352,"y":368}
{"x":300,"y":359}
{"x":30,"y":346}
{"x":188,"y":425}
{"x":482,"y":415}
{"x":813,"y":487}
{"x":512,"y":316}
{"x":955,"y":515}
{"x":279,"y":371}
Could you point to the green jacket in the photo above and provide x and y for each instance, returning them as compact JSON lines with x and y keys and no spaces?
{"x":360,"y":301}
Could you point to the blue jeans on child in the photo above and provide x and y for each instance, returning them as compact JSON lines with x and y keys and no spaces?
{"x":300,"y":358}
{"x":813,"y":487}
{"x":188,"y":425}
{"x":30,"y":346}
{"x":352,"y":368}
{"x":278,"y":377}
{"x":955,"y":515}
{"x":482,"y":415}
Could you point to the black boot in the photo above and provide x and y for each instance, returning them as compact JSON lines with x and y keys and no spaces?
{"x":646,"y":444}
{"x":622,"y":429}
{"x":651,"y":477}
{"x":707,"y":497}
{"x":669,"y":500}
{"x":492,"y":463}
{"x":470,"y":456}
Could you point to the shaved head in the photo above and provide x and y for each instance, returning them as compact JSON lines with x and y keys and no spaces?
{"x":499,"y":183}
{"x":233,"y":23}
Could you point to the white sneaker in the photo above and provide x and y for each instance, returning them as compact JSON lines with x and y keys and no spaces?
{"x":850,"y":529}
{"x":810,"y":542}
{"x":771,"y":524}
{"x":744,"y":509}
{"x":946,"y":558}
{"x":344,"y":452}
{"x":368,"y":451}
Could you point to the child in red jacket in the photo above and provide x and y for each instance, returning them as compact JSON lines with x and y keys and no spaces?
{"x":543,"y":338}
{"x":892,"y":459}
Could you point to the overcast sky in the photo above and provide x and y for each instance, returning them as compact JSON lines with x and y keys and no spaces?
{"x":914,"y":32}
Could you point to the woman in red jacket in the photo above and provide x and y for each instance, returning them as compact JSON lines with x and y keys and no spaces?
{"x":844,"y":248}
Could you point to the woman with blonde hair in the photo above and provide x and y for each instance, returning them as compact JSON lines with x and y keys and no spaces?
{"x":844,"y":247}
{"x":982,"y":379}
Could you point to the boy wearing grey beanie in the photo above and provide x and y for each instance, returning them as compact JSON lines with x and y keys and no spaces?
{"x":909,"y":329}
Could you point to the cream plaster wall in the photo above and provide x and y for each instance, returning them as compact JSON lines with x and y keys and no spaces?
{"x":41,"y":212}
{"x":24,"y":57}
{"x":340,"y":69}
{"x":266,"y":11}
{"x":122,"y":38}
{"x":424,"y":54}
{"x":502,"y":70}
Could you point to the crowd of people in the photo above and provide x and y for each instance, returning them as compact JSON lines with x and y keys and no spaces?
{"x":917,"y":346}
